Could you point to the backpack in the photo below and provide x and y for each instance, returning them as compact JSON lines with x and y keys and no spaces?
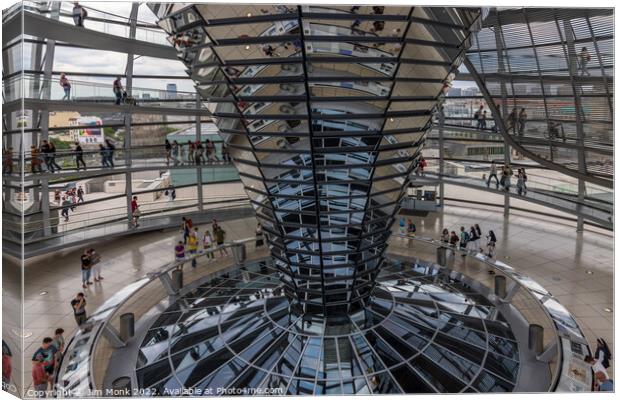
{"x":466,"y":236}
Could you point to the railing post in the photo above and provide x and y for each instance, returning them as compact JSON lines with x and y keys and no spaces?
{"x":177,"y":280}
{"x":535,"y":338}
{"x":239,"y":253}
{"x":500,"y":286}
{"x":441,"y":256}
{"x":127,"y":326}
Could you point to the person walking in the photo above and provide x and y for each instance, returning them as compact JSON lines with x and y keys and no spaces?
{"x":52,"y":155}
{"x":402,"y":223}
{"x":176,"y":152}
{"x":45,"y":149}
{"x":478,"y":117}
{"x":602,"y":352}
{"x":207,"y":244}
{"x":219,"y":234}
{"x":168,"y":149}
{"x":191,"y":148}
{"x":584,"y":59}
{"x":464,"y":239}
{"x":59,"y":340}
{"x":35,"y":160}
{"x":522,"y":121}
{"x":199,"y":153}
{"x":493,"y":174}
{"x":185,"y":228}
{"x":513,"y":119}
{"x":192,"y":245}
{"x":491,"y":240}
{"x":80,"y":194}
{"x":103,"y":152}
{"x":479,"y":234}
{"x":66,"y":204}
{"x":472,"y":244}
{"x":225,"y":153}
{"x":211,"y":154}
{"x":135,"y":211}
{"x":79,"y":14}
{"x":171,"y":193}
{"x":110,"y":152}
{"x":79,"y":308}
{"x":445,"y":236}
{"x":520,"y":182}
{"x":179,"y":254}
{"x":95,"y":261}
{"x":79,"y":156}
{"x":117,"y":88}
{"x":259,"y":236}
{"x":454,"y":239}
{"x":66,"y":86}
{"x":86,"y":268}
{"x":506,"y":175}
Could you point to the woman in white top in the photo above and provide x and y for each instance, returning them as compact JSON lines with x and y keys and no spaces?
{"x":207,"y":242}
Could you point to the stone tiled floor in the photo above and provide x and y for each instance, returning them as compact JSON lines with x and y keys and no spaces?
{"x":549,"y":251}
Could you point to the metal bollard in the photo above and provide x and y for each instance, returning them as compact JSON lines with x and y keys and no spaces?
{"x":127,"y":326}
{"x":238,"y":252}
{"x":500,"y":286}
{"x":535,"y":339}
{"x":441,"y":255}
{"x":177,"y":280}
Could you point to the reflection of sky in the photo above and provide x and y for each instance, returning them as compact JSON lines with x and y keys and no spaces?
{"x":108,"y":62}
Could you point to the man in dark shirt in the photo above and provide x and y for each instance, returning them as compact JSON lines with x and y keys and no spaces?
{"x":86,"y":265}
{"x":47,"y":155}
{"x":79,"y":156}
{"x":79,"y":308}
{"x":47,"y":354}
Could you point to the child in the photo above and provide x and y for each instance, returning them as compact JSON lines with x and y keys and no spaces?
{"x":179,"y":253}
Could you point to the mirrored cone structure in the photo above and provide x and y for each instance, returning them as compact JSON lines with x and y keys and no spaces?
{"x":324,"y":110}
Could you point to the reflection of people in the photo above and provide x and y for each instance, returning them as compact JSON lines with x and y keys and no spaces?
{"x":584,"y":59}
{"x":117,"y":88}
{"x":66,"y":86}
{"x":79,"y":14}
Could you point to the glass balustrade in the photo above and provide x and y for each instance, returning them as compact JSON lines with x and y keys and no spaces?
{"x":32,"y":86}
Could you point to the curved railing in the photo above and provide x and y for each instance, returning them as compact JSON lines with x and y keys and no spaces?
{"x":34,"y":86}
{"x":83,"y":367}
{"x":82,"y":373}
{"x":560,"y":327}
{"x":110,"y":217}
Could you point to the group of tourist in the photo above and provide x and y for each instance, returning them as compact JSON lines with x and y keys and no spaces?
{"x":188,"y":247}
{"x":46,"y":361}
{"x":193,"y":152}
{"x":470,"y":240}
{"x":68,"y":201}
{"x":47,"y":153}
{"x":91,"y":266}
{"x":505,"y":178}
{"x":600,"y":362}
{"x":516,"y":120}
